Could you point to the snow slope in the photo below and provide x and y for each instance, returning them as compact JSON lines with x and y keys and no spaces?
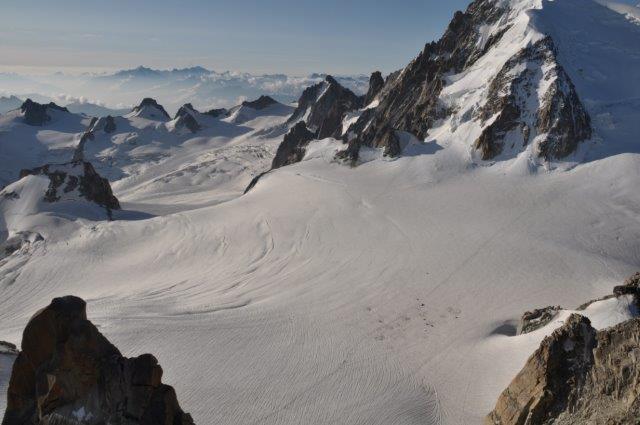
{"x":381,"y":294}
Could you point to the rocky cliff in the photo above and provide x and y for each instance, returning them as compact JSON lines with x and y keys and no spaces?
{"x":68,"y":373}
{"x":528,"y":100}
{"x":79,"y":178}
{"x":37,"y":114}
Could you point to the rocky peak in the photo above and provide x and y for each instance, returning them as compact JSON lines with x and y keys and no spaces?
{"x":151,"y":109}
{"x":323,"y":107}
{"x":186,"y":118}
{"x":76,"y":178}
{"x":376,"y":82}
{"x":511,"y":117}
{"x":216,"y":113}
{"x":292,"y":148}
{"x":36,"y":114}
{"x":260,"y":103}
{"x":106,"y":124}
{"x":67,"y":366}
{"x":560,"y":121}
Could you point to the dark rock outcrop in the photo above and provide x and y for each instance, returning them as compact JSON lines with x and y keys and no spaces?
{"x":560,"y":122}
{"x":69,"y":373}
{"x":186,"y":119}
{"x":8,"y":348}
{"x":323,"y":107}
{"x":106,"y":124}
{"x":151,"y":104}
{"x":292,"y":148}
{"x":376,"y":82}
{"x":76,"y":176}
{"x":260,"y":103}
{"x":216,"y":113}
{"x":577,"y":376}
{"x":536,"y":319}
{"x":36,"y":114}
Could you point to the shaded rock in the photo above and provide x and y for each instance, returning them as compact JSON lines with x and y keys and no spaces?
{"x":36,"y":114}
{"x":19,"y":241}
{"x":409,"y":101}
{"x":323,"y":107}
{"x":260,"y":103}
{"x":8,"y":348}
{"x":577,"y":376}
{"x":217,"y":112}
{"x":557,"y":125}
{"x":76,"y":176}
{"x":536,"y":319}
{"x":106,"y":124}
{"x":292,"y":148}
{"x":376,"y":82}
{"x":185,"y":118}
{"x":67,"y":366}
{"x":153,"y":108}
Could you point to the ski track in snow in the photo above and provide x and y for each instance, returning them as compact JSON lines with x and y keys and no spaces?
{"x":369,"y":295}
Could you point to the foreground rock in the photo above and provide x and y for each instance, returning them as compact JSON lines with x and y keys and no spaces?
{"x":77,"y":178}
{"x":577,"y":376}
{"x":68,"y":373}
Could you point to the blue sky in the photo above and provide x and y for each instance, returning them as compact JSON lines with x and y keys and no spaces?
{"x":259,"y":36}
{"x":289,"y":36}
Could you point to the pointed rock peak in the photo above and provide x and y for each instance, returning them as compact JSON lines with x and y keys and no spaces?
{"x":106,"y":124}
{"x":376,"y":82}
{"x":150,"y":105}
{"x":36,"y":113}
{"x":186,"y":109}
{"x":260,"y":103}
{"x":329,"y":79}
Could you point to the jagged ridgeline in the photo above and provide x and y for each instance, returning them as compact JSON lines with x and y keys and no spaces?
{"x":492,"y":75}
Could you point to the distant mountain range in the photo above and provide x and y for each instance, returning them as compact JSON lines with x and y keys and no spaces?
{"x":204,"y":88}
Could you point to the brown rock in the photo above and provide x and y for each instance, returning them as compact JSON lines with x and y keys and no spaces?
{"x":67,"y":366}
{"x":577,"y":376}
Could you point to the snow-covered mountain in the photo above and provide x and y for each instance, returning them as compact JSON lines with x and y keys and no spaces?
{"x":377,"y":273}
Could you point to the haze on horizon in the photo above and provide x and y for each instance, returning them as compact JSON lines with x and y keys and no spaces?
{"x":281,"y":36}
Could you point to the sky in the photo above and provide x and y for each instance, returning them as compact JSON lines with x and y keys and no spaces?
{"x":277,"y":36}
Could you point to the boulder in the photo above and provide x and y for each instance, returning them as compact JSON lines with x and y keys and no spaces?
{"x":69,"y":373}
{"x":536,"y":319}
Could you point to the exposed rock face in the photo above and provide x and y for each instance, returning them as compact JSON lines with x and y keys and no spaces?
{"x":292,"y":148}
{"x":577,"y":376}
{"x":631,"y":286}
{"x":8,"y":348}
{"x":69,"y":373}
{"x":536,"y":319}
{"x":323,"y":107}
{"x":260,"y":103}
{"x":561,"y":121}
{"x":185,"y":118}
{"x":376,"y":82}
{"x":36,"y":114}
{"x":217,"y":112}
{"x":76,"y":176}
{"x":151,"y":104}
{"x":106,"y":124}
{"x":410,"y":100}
